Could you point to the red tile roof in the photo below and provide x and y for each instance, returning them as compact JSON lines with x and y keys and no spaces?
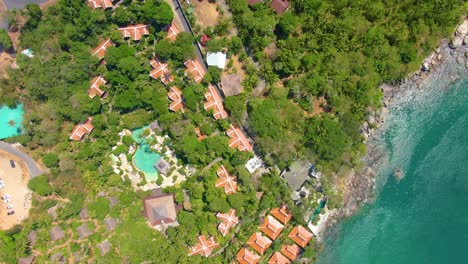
{"x":278,"y":258}
{"x":300,"y":235}
{"x":215,"y":102}
{"x":226,"y":180}
{"x":238,"y":139}
{"x":176,"y":96}
{"x":204,"y":247}
{"x":172,"y":32}
{"x":200,"y":136}
{"x":95,"y":88}
{"x":279,"y":5}
{"x":100,"y":51}
{"x":282,"y":213}
{"x":259,"y":243}
{"x":291,"y":252}
{"x":161,"y":71}
{"x":245,"y":256}
{"x":135,"y":31}
{"x":228,"y":221}
{"x":195,"y":70}
{"x":100,"y":4}
{"x":79,"y":131}
{"x":271,"y":227}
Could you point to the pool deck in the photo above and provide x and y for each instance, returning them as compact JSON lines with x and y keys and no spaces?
{"x":34,"y":170}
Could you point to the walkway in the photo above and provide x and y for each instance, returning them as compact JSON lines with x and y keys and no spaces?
{"x":34,"y":170}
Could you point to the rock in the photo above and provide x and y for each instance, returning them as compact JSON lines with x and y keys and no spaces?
{"x":463,"y":28}
{"x":455,"y":43}
{"x":398,"y":174}
{"x":465,"y":40}
{"x":425,"y":66}
{"x":437,"y":50}
{"x":439,"y":57}
{"x":466,"y":63}
{"x":460,"y":60}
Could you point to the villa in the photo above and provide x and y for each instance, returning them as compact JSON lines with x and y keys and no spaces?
{"x":100,"y":4}
{"x":245,"y":256}
{"x":238,"y":139}
{"x":101,"y":50}
{"x":194,"y":70}
{"x":228,"y":221}
{"x":278,"y":258}
{"x":161,"y":71}
{"x":291,"y":251}
{"x":160,"y":209}
{"x":259,"y":243}
{"x":172,"y":32}
{"x":134,"y":32}
{"x":79,"y":131}
{"x":280,"y":6}
{"x":300,"y":235}
{"x":204,"y":247}
{"x":95,"y":88}
{"x":282,"y":213}
{"x":215,"y":103}
{"x":176,"y":97}
{"x":226,"y":180}
{"x":271,"y":227}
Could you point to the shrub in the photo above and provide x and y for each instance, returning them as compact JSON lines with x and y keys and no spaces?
{"x":120,"y":149}
{"x":50,"y":160}
{"x":128,"y":140}
{"x":40,"y":185}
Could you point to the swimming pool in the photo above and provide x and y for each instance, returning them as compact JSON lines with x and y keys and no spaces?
{"x":144,"y":157}
{"x":10,"y":121}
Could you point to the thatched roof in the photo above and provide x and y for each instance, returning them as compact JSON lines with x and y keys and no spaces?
{"x":104,"y":247}
{"x":83,"y":231}
{"x":162,"y":166}
{"x":32,"y":237}
{"x":27,"y":260}
{"x":56,"y":233}
{"x":58,"y":258}
{"x":113,"y":201}
{"x":160,"y":209}
{"x":84,"y":213}
{"x":110,"y":223}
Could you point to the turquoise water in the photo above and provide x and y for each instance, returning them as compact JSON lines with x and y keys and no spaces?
{"x":10,"y":121}
{"x":424,"y":217}
{"x":144,"y":158}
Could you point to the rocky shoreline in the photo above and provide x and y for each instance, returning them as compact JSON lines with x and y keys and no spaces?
{"x":359,"y":187}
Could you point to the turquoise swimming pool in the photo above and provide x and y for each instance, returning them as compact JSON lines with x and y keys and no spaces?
{"x":144,"y":157}
{"x":10,"y":121}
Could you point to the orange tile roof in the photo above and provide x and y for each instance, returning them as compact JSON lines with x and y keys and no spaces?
{"x":271,"y":227}
{"x":100,"y":4}
{"x":200,"y":136}
{"x":291,"y":252}
{"x":195,"y":70}
{"x":204,"y":247}
{"x":176,"y":96}
{"x":226,"y":180}
{"x":172,"y":32}
{"x":228,"y":221}
{"x":238,"y":139}
{"x":161,"y":71}
{"x":245,"y":256}
{"x":300,"y":235}
{"x":214,"y":102}
{"x":282,"y":213}
{"x":135,"y":31}
{"x":95,"y":88}
{"x":278,"y":258}
{"x":259,"y":243}
{"x":80,"y":130}
{"x":101,"y":50}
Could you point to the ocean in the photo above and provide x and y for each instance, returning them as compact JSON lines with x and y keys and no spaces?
{"x":422,"y":218}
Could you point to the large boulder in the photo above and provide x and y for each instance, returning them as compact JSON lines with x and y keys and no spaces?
{"x":463,"y":28}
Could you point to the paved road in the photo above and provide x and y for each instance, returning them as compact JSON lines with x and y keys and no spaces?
{"x":34,"y":171}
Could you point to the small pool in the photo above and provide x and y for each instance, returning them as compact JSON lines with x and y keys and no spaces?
{"x":10,"y":121}
{"x":144,"y":157}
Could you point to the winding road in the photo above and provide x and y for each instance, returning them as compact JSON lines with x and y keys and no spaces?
{"x":34,"y":170}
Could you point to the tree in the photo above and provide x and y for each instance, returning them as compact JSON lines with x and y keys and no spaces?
{"x":5,"y":41}
{"x":40,"y":185}
{"x":215,"y":74}
{"x":50,"y":160}
{"x":326,"y":138}
{"x":34,"y":15}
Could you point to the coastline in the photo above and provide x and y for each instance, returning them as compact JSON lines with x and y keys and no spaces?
{"x":450,"y":57}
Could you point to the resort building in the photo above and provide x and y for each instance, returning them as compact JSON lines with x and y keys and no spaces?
{"x":101,"y":50}
{"x":300,"y":235}
{"x":84,"y":213}
{"x":79,"y":131}
{"x":279,"y":5}
{"x":83,"y":231}
{"x":27,"y":260}
{"x":160,"y":209}
{"x":176,"y":97}
{"x":291,"y":251}
{"x":199,"y":134}
{"x":278,"y":258}
{"x":100,"y":4}
{"x":172,"y":32}
{"x":238,"y":139}
{"x":217,"y":59}
{"x":161,"y":71}
{"x":56,"y":233}
{"x":259,"y":243}
{"x":226,"y":180}
{"x":194,"y":70}
{"x":228,"y":221}
{"x":134,"y":32}
{"x":104,"y":247}
{"x":245,"y":256}
{"x":271,"y":227}
{"x":95,"y":88}
{"x":204,"y":246}
{"x":162,"y":166}
{"x":214,"y":103}
{"x":282,"y":213}
{"x":110,"y":223}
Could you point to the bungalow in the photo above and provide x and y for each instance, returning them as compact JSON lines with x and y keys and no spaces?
{"x":278,"y":258}
{"x":214,"y":102}
{"x":113,"y":201}
{"x":271,"y":227}
{"x":253,"y":2}
{"x":226,"y":180}
{"x":245,"y":256}
{"x":162,"y":166}
{"x":279,"y":5}
{"x":79,"y":131}
{"x":83,"y":231}
{"x":291,"y":251}
{"x":27,"y":260}
{"x":282,"y":213}
{"x":259,"y":243}
{"x":160,"y":209}
{"x":228,"y":221}
{"x":100,"y":4}
{"x":161,"y":71}
{"x":176,"y":97}
{"x":84,"y":213}
{"x":300,"y":235}
{"x":104,"y":247}
{"x":204,"y":247}
{"x":199,"y":134}
{"x":135,"y":31}
{"x":238,"y":139}
{"x":195,"y":70}
{"x":172,"y":32}
{"x":56,"y":233}
{"x":95,"y":88}
{"x":111,"y":223}
{"x":101,"y":50}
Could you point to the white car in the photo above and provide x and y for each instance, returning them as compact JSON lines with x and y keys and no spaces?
{"x":4,"y":197}
{"x":6,"y":201}
{"x":9,"y":206}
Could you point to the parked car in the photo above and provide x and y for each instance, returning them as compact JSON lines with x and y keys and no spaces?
{"x":11,"y":212}
{"x":6,"y":201}
{"x":12,"y":163}
{"x":4,"y":197}
{"x":9,"y":206}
